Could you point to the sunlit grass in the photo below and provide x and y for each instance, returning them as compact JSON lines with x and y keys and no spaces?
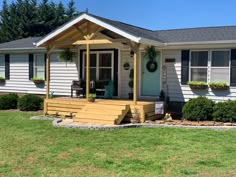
{"x":35,"y":148}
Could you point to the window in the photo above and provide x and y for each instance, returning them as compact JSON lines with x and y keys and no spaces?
{"x":210,"y":66}
{"x":101,"y":65}
{"x":2,"y":66}
{"x":39,"y":66}
{"x":198,"y":66}
{"x":220,"y":69}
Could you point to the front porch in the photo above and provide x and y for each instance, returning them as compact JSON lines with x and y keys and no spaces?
{"x":102,"y":111}
{"x":87,"y":34}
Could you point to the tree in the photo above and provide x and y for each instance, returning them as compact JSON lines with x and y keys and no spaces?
{"x":24,"y":18}
{"x":71,"y":9}
{"x":4,"y":22}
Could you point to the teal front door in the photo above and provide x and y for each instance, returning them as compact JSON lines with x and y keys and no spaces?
{"x":150,"y":83}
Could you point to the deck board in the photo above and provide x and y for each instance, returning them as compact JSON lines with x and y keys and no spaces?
{"x":123,"y":109}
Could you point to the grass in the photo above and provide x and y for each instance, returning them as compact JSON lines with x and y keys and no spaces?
{"x":35,"y":148}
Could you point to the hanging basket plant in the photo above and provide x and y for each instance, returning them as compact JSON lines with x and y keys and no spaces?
{"x":38,"y":81}
{"x":126,"y":66}
{"x":66,"y":55}
{"x":150,"y":54}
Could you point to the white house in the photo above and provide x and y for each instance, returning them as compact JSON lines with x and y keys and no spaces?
{"x":197,"y":54}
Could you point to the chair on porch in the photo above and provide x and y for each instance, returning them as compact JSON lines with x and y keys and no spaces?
{"x":77,"y":86}
{"x":109,"y":89}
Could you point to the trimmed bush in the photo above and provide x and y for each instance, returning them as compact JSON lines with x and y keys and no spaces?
{"x":225,"y":111}
{"x":30,"y":103}
{"x":8,"y":101}
{"x":197,"y":109}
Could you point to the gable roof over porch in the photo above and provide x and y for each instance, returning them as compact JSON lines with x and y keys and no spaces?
{"x":110,"y":28}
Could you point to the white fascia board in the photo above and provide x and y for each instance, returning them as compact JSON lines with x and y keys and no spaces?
{"x":58,"y":31}
{"x":112,"y":28}
{"x":92,"y":19}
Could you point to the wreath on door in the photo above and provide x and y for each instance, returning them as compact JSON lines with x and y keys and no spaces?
{"x":151,"y":66}
{"x":150,"y":54}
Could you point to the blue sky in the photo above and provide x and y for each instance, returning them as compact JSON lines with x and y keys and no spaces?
{"x":163,"y":14}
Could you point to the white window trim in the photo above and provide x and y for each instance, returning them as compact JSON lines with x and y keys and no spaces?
{"x":209,"y":64}
{"x":97,"y":63}
{"x":203,"y":67}
{"x":34,"y":64}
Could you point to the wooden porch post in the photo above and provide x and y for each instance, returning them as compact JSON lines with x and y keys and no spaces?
{"x":87,"y":71}
{"x":48,"y":71}
{"x":136,"y":51}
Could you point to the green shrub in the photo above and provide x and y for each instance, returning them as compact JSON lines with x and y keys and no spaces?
{"x":8,"y":101}
{"x":30,"y":103}
{"x":225,"y":111}
{"x":200,"y":108}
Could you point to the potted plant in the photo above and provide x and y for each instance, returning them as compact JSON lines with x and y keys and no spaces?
{"x":135,"y":116}
{"x":218,"y":85}
{"x":197,"y":85}
{"x":2,"y":80}
{"x":38,"y":81}
{"x":131,"y":83}
{"x":126,"y":66}
{"x":92,"y":97}
{"x":66,"y":55}
{"x":150,"y":54}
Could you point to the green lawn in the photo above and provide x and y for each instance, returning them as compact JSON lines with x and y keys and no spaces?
{"x":35,"y":148}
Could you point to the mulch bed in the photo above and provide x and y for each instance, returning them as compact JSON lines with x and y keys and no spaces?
{"x":194,"y":123}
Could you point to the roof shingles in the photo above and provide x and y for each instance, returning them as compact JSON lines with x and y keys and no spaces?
{"x":166,"y":36}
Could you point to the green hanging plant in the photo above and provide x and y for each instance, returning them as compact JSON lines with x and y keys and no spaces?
{"x":150,"y":53}
{"x":66,"y":55}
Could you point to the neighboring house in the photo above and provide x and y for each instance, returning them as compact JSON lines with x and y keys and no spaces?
{"x":201,"y":54}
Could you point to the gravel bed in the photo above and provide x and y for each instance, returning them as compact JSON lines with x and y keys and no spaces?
{"x":68,"y":123}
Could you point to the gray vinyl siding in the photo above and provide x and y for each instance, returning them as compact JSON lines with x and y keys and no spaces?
{"x":62,"y":75}
{"x":178,"y":92}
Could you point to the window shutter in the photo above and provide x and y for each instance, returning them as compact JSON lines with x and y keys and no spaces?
{"x":7,"y":67}
{"x":31,"y":66}
{"x":233,"y":68}
{"x":185,"y":67}
{"x":116,"y":72}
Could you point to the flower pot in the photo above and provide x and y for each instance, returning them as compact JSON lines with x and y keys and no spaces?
{"x":198,"y":87}
{"x":91,"y":99}
{"x":219,"y":87}
{"x":2,"y":81}
{"x":38,"y":82}
{"x":131,"y":96}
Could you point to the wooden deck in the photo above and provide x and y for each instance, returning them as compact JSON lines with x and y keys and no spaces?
{"x":102,"y":111}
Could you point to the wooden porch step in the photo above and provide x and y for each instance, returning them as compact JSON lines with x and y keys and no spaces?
{"x":58,"y":105}
{"x":96,"y":116}
{"x":101,"y":114}
{"x":61,"y":113}
{"x":104,"y":107}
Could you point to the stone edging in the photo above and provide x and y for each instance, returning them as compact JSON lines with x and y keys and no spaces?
{"x":56,"y":123}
